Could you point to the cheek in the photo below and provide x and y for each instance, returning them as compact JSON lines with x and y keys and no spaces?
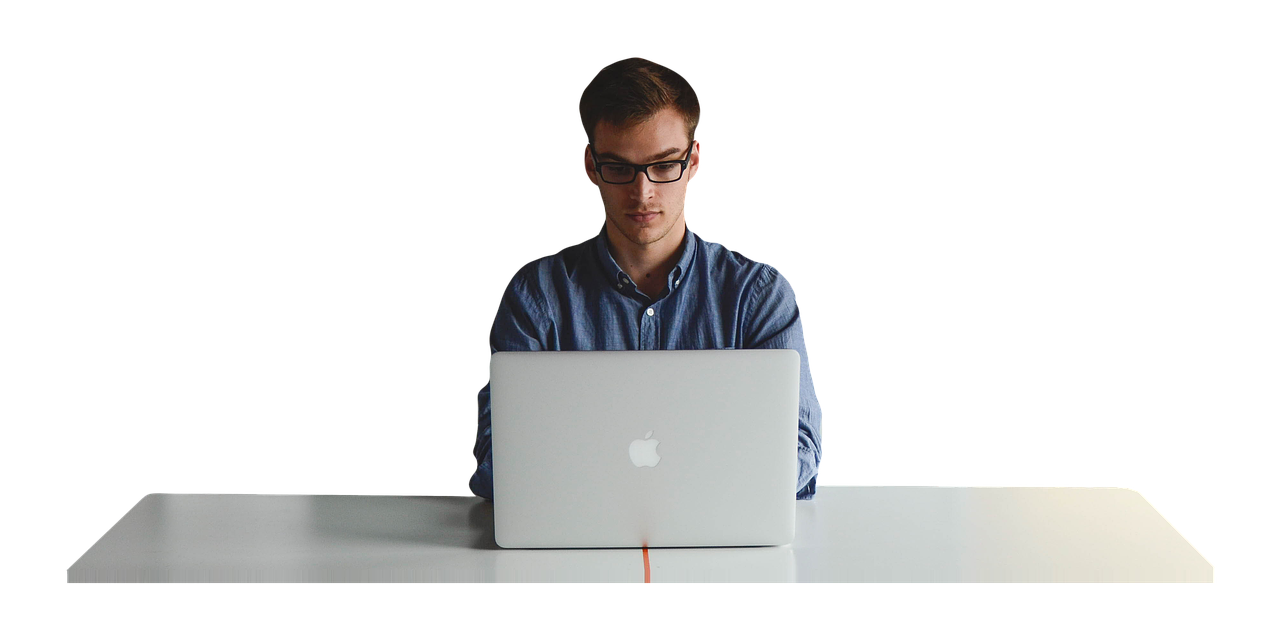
{"x":675,"y":197}
{"x":606,"y":195}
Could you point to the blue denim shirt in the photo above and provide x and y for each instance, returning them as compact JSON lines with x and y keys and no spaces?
{"x":581,"y":300}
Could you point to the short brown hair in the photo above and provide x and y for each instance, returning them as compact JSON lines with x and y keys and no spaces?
{"x":630,"y":91}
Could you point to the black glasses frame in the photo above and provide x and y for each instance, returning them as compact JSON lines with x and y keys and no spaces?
{"x":684,"y":165}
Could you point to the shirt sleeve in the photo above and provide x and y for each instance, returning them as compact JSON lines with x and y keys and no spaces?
{"x":515,"y":328}
{"x":773,"y":322}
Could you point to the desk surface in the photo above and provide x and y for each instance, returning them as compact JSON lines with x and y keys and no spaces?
{"x":845,"y":534}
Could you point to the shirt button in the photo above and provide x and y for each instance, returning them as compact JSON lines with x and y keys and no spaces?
{"x":649,"y":311}
{"x":619,"y":285}
{"x":677,"y":282}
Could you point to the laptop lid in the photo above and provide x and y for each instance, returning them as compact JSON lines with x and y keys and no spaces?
{"x":644,"y":448}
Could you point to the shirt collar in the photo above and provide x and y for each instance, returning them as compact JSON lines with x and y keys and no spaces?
{"x":616,"y":275}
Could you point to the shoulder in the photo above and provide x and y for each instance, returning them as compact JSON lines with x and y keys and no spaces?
{"x":732,"y":267}
{"x":545,"y":274}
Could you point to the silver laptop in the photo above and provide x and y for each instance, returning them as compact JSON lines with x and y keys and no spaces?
{"x":644,"y":448}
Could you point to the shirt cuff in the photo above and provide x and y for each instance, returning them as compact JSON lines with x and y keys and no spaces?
{"x":482,"y":481}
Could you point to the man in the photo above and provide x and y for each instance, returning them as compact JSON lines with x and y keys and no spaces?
{"x":646,"y":282}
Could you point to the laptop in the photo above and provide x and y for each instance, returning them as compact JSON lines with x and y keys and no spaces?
{"x":644,"y":448}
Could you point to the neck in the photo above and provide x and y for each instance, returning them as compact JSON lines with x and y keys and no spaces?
{"x":649,"y":264}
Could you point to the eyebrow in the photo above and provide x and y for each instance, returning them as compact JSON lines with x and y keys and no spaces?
{"x":653,"y":158}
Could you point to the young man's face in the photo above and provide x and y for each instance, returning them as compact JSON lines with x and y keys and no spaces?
{"x":661,"y":137}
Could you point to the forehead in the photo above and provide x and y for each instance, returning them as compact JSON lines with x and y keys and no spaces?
{"x":638,"y":142}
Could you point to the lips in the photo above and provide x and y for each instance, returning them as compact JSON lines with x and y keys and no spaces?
{"x":643,"y":216}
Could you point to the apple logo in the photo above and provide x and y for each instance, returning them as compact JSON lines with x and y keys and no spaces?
{"x":644,"y":453}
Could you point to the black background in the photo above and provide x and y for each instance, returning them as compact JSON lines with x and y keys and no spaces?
{"x":992,"y":286}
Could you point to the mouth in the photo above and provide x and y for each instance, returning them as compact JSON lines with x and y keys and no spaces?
{"x":643,"y":216}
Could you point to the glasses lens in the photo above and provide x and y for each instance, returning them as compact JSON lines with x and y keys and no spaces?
{"x":617,"y":173}
{"x":666,"y":172}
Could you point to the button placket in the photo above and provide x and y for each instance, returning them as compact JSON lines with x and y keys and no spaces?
{"x":648,"y":329}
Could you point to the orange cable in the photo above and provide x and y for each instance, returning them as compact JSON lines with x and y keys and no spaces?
{"x":646,"y":564}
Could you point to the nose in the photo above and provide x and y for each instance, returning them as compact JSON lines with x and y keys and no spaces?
{"x":642,"y":186}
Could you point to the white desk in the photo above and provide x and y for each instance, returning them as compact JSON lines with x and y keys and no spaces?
{"x":845,"y":534}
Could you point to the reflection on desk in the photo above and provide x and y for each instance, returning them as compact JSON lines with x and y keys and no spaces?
{"x":845,"y":534}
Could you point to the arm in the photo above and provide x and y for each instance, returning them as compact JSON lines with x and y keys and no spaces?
{"x":482,"y":480}
{"x":515,"y":328}
{"x":773,"y":322}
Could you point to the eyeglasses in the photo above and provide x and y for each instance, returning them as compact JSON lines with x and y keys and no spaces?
{"x":657,"y":172}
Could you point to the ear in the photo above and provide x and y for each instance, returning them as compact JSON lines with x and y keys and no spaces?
{"x":590,"y":166}
{"x":694,"y":159}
